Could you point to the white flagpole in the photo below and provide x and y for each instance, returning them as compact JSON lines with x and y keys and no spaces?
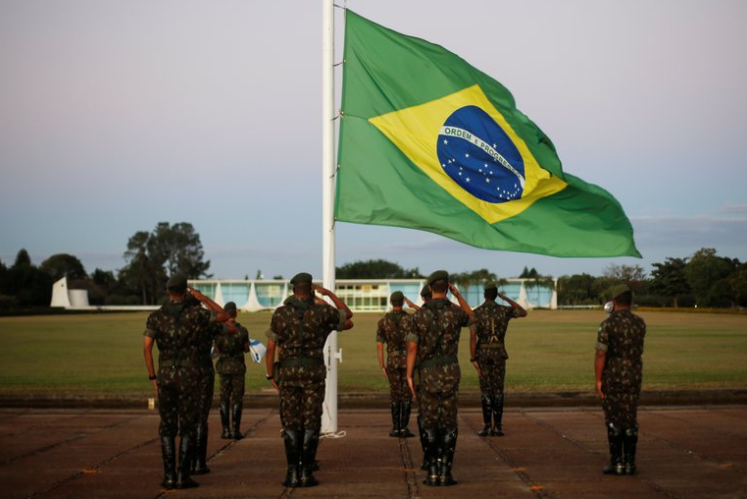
{"x":329,"y":414}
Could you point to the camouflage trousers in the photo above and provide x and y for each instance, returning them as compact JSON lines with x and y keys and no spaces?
{"x":398,"y":389}
{"x":621,"y":407}
{"x":438,"y":396}
{"x":206,"y":388}
{"x":493,"y":371}
{"x":232,"y":388}
{"x":301,"y":397}
{"x":178,"y":401}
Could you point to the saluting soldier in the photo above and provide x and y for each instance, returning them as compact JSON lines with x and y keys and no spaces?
{"x":619,"y":373}
{"x":390,"y":330}
{"x":489,"y":355}
{"x":231,"y":368}
{"x":433,"y":345}
{"x":299,"y":329}
{"x":177,"y":329}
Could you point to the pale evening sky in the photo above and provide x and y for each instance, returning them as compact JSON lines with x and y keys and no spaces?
{"x":117,"y":115}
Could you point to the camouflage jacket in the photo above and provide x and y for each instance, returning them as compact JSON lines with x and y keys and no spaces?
{"x":436,"y":328}
{"x":491,"y":324}
{"x":300,"y":329}
{"x":231,"y":349}
{"x":621,"y":337}
{"x":180,"y":329}
{"x":391,"y":331}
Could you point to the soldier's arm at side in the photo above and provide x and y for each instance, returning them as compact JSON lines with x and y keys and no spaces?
{"x":412,"y":351}
{"x":270,"y":362}
{"x":380,"y":353}
{"x":473,"y":348}
{"x":599,"y":361}
{"x":148,"y":354}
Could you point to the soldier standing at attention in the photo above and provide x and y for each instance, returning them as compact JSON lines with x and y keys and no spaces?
{"x":433,"y":344}
{"x":391,"y":331}
{"x":177,"y":329}
{"x":619,"y":372}
{"x":232,"y":369}
{"x":299,"y":329}
{"x":488,"y":355}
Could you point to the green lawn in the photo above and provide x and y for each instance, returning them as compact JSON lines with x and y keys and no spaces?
{"x":550,"y":351}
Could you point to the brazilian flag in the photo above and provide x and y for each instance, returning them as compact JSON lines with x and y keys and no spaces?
{"x":431,"y":143}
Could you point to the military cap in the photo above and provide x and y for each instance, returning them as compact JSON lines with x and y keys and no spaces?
{"x":397,"y":296}
{"x":619,"y":289}
{"x":489,"y":285}
{"x":229,"y":306}
{"x":177,"y":281}
{"x":439,"y":275}
{"x":301,"y":277}
{"x":426,"y":292}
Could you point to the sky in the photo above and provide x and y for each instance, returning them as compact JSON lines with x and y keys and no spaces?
{"x":118,"y":115}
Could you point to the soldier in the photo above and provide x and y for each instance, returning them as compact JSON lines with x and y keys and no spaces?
{"x":299,"y":329}
{"x":177,"y":329}
{"x":619,"y":372}
{"x":232,"y":369}
{"x":389,"y":331}
{"x":488,"y":355}
{"x":432,"y":345}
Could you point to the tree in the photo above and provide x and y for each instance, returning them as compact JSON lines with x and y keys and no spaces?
{"x":708,"y":276}
{"x":669,"y":279}
{"x":529,"y":274}
{"x":738,"y":283}
{"x":63,"y":265}
{"x":577,"y":289}
{"x":376,"y":269}
{"x":152,"y":257}
{"x":632,"y":275}
{"x":26,"y":283}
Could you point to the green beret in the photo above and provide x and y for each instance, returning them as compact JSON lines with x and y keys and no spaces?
{"x":301,"y":277}
{"x":177,"y":281}
{"x":397,"y":296}
{"x":619,"y":289}
{"x":439,"y":275}
{"x":489,"y":285}
{"x":426,"y":292}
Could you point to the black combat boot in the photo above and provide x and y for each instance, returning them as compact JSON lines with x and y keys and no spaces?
{"x":497,"y":403}
{"x":423,"y":443}
{"x":308,"y":458}
{"x":630,"y":442}
{"x":396,"y":408}
{"x":236,"y":421}
{"x":432,"y":452}
{"x":487,"y":414}
{"x":446,"y":461}
{"x":168,"y":455}
{"x":404,"y":419}
{"x":226,"y":434}
{"x":186,"y":452}
{"x":615,"y":439}
{"x":199,"y":463}
{"x":293,"y":448}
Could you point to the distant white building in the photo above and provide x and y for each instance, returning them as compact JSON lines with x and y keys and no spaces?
{"x":361,"y":295}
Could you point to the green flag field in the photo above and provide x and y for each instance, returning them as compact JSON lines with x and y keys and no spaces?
{"x":550,"y":351}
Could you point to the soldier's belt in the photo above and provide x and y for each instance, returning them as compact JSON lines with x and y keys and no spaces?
{"x":302,"y":362}
{"x":446,"y":360}
{"x":490,"y":345}
{"x":176,"y":363}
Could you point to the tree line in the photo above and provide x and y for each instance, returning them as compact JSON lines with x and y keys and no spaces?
{"x":704,"y":279}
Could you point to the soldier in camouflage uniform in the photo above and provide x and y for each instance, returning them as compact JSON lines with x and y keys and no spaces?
{"x":391,"y":332}
{"x":432,"y":345}
{"x":619,"y":372}
{"x":299,"y":329}
{"x":232,"y":368}
{"x":488,"y":350}
{"x":177,"y":328}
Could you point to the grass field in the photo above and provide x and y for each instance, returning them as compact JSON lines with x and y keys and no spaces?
{"x":549,"y":351}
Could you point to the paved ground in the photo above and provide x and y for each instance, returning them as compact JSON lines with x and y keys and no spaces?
{"x":684,"y":452}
